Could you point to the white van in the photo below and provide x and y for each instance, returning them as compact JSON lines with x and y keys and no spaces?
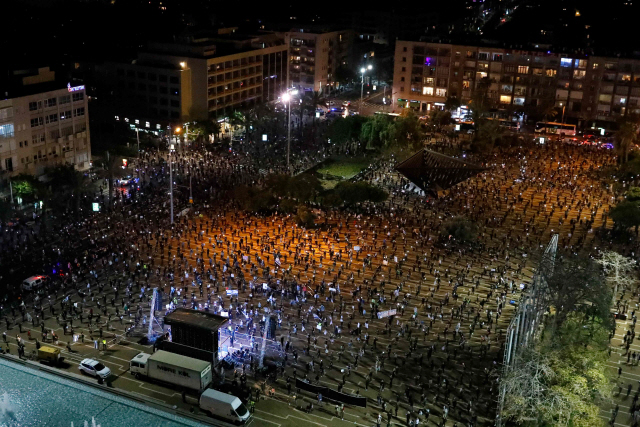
{"x":224,"y":406}
{"x":34,"y":282}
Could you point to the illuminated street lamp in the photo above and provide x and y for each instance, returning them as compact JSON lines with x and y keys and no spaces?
{"x":286,"y":97}
{"x":171,"y":146}
{"x":362,"y":71}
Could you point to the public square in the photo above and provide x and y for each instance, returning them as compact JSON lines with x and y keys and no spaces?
{"x":437,"y":360}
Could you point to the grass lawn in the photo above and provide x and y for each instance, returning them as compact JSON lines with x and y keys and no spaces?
{"x":340,"y":169}
{"x":345,"y":168}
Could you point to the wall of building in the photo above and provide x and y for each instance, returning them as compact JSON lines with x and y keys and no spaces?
{"x":586,"y":88}
{"x":47,"y":129}
{"x":315,"y":57}
{"x":196,"y":88}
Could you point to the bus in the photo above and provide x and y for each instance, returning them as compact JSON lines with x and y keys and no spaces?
{"x":562,"y":129}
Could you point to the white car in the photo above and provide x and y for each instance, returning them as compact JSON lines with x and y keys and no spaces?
{"x":34,"y":282}
{"x":94,"y":368}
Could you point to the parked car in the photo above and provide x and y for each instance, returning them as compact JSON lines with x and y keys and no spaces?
{"x":94,"y":368}
{"x":34,"y":282}
{"x":129,"y":179}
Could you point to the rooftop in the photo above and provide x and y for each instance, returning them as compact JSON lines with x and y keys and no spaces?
{"x":195,"y":318}
{"x":179,"y":360}
{"x":25,"y":82}
{"x":434,"y":172}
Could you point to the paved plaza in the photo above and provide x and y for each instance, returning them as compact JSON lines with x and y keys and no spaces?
{"x":436,"y":362}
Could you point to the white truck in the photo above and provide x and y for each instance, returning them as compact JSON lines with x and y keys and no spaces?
{"x":173,"y":369}
{"x":224,"y":406}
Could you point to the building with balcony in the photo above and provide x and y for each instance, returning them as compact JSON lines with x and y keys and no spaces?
{"x":198,"y":78}
{"x":585,"y":89}
{"x":314,"y":56}
{"x":43,"y":123}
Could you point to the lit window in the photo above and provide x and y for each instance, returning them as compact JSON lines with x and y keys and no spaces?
{"x":441,"y":92}
{"x":505,"y":99}
{"x":427,"y":90}
{"x":566,"y":62}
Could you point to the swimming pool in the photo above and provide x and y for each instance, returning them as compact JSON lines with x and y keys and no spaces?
{"x":29,"y":397}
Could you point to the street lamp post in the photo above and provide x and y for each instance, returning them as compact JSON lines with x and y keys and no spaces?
{"x":171,"y":172}
{"x":138,"y":138}
{"x":171,"y":180}
{"x":362,"y":71}
{"x":287,"y":98}
{"x":190,"y":192}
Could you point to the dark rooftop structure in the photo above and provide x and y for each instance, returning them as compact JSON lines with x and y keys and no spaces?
{"x":195,"y":319}
{"x":434,"y":172}
{"x":194,"y":333}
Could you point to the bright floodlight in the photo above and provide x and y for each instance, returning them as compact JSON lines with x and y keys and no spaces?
{"x":370,"y":67}
{"x":178,"y":129}
{"x":286,"y":97}
{"x":362,"y":70}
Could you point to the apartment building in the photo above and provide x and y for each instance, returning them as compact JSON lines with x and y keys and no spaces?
{"x":198,"y":78}
{"x":43,"y":124}
{"x":585,"y":89}
{"x":314,"y":56}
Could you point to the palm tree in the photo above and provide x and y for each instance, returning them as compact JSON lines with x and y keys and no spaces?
{"x":625,"y":137}
{"x":239,"y":119}
{"x":315,"y":100}
{"x":205,"y":128}
{"x":488,"y":132}
{"x":66,"y":183}
{"x":111,"y":170}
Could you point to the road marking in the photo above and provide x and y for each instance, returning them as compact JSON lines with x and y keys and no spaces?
{"x":266,"y":421}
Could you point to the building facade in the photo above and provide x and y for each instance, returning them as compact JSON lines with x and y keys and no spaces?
{"x":47,"y":126}
{"x":199,"y":79}
{"x":584,"y":89}
{"x":315,"y":56}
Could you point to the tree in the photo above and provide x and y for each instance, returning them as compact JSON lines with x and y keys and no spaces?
{"x":315,"y":100}
{"x":67,"y":184}
{"x":552,"y":387}
{"x":240,"y":120}
{"x":480,"y":101}
{"x":459,"y":230}
{"x":6,"y":210}
{"x":344,"y":75}
{"x":357,"y":192}
{"x":618,"y":269}
{"x":440,"y":119}
{"x":305,"y":217}
{"x":278,"y":184}
{"x":111,"y":169}
{"x":24,"y":185}
{"x":624,"y":139}
{"x":452,"y":103}
{"x":487,"y":133}
{"x":254,"y":199}
{"x":625,"y":215}
{"x":347,"y":129}
{"x":578,"y":288}
{"x":375,"y":131}
{"x":633,"y":194}
{"x":406,"y":131}
{"x":305,"y":187}
{"x":204,"y":128}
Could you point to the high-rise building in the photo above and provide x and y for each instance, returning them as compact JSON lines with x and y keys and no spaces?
{"x":43,"y":123}
{"x":198,"y":78}
{"x":315,"y":55}
{"x":585,"y":88}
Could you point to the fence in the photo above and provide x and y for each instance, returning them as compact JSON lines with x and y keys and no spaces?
{"x":524,"y":325}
